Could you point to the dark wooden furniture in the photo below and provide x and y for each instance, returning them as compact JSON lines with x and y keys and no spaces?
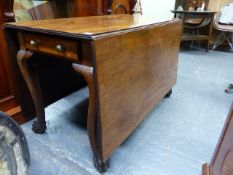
{"x":8,"y":96}
{"x":127,"y":68}
{"x":48,"y":10}
{"x":222,"y":161}
{"x":9,"y":102}
{"x":206,"y":16}
{"x":100,"y":7}
{"x":78,"y":8}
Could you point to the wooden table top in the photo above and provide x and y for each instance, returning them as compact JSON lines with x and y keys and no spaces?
{"x":90,"y":27}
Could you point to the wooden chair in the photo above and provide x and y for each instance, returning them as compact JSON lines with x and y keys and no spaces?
{"x":47,"y":10}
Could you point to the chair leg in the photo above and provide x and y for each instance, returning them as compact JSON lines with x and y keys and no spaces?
{"x":199,"y":45}
{"x":218,"y":41}
{"x":193,"y":32}
{"x":221,"y":38}
{"x":229,"y":42}
{"x":191,"y":46}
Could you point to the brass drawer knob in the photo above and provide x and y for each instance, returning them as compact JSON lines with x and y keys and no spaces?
{"x":60,"y":48}
{"x":34,"y":43}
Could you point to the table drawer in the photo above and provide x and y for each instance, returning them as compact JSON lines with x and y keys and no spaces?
{"x":52,"y":45}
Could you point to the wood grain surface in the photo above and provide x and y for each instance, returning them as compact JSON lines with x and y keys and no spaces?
{"x":8,"y":95}
{"x":134,"y":72}
{"x":89,"y":27}
{"x":129,"y":63}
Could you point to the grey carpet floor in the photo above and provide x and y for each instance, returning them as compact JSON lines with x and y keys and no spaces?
{"x":177,"y":137}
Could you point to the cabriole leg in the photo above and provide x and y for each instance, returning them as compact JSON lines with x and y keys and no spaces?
{"x":92,"y":118}
{"x":31,"y":79}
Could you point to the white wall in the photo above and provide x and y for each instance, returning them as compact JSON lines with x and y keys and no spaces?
{"x":157,"y":8}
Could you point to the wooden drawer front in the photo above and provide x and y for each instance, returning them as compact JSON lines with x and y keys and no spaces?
{"x":55,"y":46}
